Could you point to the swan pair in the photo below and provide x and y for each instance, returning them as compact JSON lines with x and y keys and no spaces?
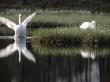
{"x":88,"y":25}
{"x":20,"y":29}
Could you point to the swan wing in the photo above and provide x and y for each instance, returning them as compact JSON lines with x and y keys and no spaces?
{"x":8,"y":22}
{"x":28,"y":55}
{"x":7,"y":51}
{"x":28,"y":19}
{"x":85,"y":25}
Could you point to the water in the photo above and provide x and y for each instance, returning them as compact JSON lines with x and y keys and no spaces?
{"x":52,"y":64}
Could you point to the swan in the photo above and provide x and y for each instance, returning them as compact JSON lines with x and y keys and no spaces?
{"x":20,"y":29}
{"x":20,"y":46}
{"x":88,"y":25}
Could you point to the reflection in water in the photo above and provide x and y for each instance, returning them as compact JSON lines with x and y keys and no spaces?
{"x":95,"y":74}
{"x":54,"y":68}
{"x":87,"y":54}
{"x":66,"y":69}
{"x":20,"y":46}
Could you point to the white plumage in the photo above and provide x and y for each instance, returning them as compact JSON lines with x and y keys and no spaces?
{"x":88,"y":25}
{"x":20,"y":29}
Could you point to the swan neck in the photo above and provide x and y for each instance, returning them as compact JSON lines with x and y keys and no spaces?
{"x":19,"y":19}
{"x":94,"y":24}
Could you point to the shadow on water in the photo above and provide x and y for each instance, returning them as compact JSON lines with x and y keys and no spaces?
{"x":40,"y":25}
{"x":54,"y":64}
{"x":43,"y":25}
{"x":50,"y":24}
{"x":46,"y":25}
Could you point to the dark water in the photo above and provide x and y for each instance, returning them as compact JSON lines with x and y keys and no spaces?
{"x":48,"y":64}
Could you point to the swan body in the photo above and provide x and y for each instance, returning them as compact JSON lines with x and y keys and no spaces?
{"x":88,"y":25}
{"x":20,"y":29}
{"x":20,"y":46}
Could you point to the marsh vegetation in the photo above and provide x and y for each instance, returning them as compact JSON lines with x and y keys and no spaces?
{"x":58,"y":26}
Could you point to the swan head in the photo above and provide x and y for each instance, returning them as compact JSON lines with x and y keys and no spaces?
{"x":20,"y":18}
{"x":20,"y":15}
{"x":94,"y":22}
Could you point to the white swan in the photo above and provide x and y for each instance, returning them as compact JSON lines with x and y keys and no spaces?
{"x":20,"y":29}
{"x":20,"y":46}
{"x":88,"y":25}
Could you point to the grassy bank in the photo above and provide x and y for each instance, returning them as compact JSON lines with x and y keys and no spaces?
{"x":71,"y":36}
{"x":52,"y":26}
{"x":59,"y":17}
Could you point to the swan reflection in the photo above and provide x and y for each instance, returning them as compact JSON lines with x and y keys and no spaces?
{"x":20,"y":46}
{"x":87,"y":54}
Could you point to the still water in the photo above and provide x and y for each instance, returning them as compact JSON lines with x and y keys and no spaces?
{"x":23,"y":61}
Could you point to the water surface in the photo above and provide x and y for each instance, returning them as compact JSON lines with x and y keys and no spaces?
{"x":53,"y":64}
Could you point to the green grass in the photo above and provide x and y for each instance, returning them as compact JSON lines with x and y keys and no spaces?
{"x":70,"y":35}
{"x":70,"y":17}
{"x":65,"y":24}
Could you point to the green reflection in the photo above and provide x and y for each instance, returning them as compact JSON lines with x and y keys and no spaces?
{"x":70,"y":50}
